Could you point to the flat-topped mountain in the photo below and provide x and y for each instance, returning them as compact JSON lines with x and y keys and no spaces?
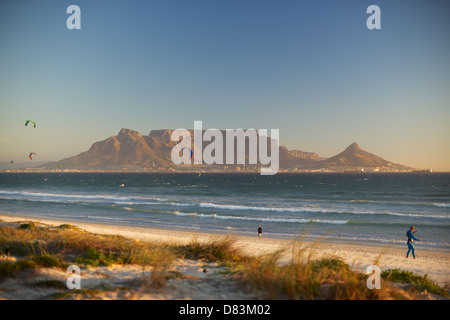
{"x":306,"y":155}
{"x":130,"y":149}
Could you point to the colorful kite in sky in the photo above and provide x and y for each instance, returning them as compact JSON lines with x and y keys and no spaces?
{"x":192,"y":154}
{"x":28,"y":121}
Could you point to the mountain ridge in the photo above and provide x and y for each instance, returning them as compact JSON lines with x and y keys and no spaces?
{"x":353,"y":155}
{"x":129,"y":149}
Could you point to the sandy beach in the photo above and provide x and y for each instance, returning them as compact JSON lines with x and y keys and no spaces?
{"x":432,"y":261}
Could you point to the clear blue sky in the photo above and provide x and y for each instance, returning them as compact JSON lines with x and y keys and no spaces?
{"x":311,"y":69}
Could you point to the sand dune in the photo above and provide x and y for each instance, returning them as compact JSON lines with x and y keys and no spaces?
{"x":432,"y":261}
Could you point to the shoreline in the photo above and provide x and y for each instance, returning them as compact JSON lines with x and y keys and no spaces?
{"x":430,"y":260}
{"x":148,"y":233}
{"x":353,"y":170}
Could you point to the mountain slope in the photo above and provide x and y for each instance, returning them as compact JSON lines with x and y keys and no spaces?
{"x":354,"y":156}
{"x":130,"y":149}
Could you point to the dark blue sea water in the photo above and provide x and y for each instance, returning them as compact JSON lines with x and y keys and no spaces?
{"x":369,"y":207}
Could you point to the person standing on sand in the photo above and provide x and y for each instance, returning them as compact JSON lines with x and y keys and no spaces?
{"x":410,"y":242}
{"x":260,"y":232}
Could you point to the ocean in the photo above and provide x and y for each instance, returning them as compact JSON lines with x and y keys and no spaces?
{"x":362,"y":207}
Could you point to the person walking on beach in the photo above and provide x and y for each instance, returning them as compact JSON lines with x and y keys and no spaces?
{"x":260,"y":232}
{"x":411,"y":238}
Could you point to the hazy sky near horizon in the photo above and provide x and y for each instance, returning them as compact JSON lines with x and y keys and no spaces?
{"x":311,"y":69}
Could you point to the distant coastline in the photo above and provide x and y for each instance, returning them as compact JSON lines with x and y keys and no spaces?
{"x":208,"y":170}
{"x":129,"y":151}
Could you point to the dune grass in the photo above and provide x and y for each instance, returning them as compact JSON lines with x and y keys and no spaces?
{"x":416,"y":282}
{"x":300,"y":278}
{"x":327,"y":278}
{"x":47,"y":246}
{"x":222,"y":249}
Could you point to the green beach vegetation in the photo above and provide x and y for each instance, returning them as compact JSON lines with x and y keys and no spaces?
{"x":27,"y":246}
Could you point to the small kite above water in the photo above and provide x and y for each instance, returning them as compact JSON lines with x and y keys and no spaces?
{"x":192,"y":154}
{"x":31,"y":155}
{"x":28,"y":121}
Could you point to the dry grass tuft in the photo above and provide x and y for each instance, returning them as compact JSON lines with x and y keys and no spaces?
{"x":305,"y":278}
{"x":302,"y":277}
{"x":46,"y":246}
{"x":223,"y":249}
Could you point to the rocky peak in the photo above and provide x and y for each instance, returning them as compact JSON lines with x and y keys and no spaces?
{"x":353,"y":147}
